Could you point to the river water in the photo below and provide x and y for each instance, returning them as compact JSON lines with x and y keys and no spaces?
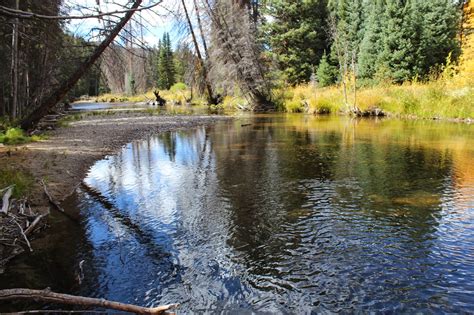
{"x":281,"y":214}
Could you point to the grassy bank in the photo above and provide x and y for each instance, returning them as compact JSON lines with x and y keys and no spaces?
{"x":22,"y":181}
{"x":179,"y":94}
{"x":12,"y":136}
{"x":444,"y":99}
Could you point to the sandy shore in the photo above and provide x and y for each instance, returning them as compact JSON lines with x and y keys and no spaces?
{"x":64,"y":159}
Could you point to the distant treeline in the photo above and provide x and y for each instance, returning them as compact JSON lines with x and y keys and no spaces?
{"x":238,"y":47}
{"x":396,"y":40}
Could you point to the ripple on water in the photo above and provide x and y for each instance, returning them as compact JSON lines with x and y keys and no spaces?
{"x":282,"y":220}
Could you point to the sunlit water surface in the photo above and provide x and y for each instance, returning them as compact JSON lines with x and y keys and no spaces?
{"x":285,"y":214}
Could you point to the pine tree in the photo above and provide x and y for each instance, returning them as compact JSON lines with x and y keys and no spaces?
{"x":372,"y":42}
{"x":297,"y":36}
{"x":170,"y":67}
{"x":347,"y":31}
{"x":439,"y":24}
{"x":399,"y":56}
{"x":166,"y":68}
{"x":326,"y":73}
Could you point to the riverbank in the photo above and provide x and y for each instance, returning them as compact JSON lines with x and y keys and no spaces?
{"x":442,"y":99}
{"x":64,"y":158}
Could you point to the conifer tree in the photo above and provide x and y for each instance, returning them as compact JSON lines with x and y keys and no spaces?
{"x":326,"y":73}
{"x":439,"y":23}
{"x":297,"y":35}
{"x":166,"y":68}
{"x":399,"y":53}
{"x":372,"y":42}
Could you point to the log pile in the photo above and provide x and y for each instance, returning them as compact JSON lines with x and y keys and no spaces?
{"x":17,"y":224}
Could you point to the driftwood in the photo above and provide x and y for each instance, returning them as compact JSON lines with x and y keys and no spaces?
{"x":35,"y":222}
{"x":16,"y":226}
{"x":24,"y":236}
{"x":48,"y":296}
{"x":6,"y":199}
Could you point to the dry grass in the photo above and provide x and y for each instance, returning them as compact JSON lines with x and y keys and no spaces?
{"x":442,"y":98}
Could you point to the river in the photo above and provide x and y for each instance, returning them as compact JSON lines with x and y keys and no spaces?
{"x":275,"y":213}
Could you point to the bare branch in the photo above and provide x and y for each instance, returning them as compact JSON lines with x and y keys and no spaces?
{"x":5,"y":11}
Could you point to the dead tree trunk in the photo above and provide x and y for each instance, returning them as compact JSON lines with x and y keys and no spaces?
{"x":211,"y":97}
{"x":56,"y":96}
{"x":198,"y":17}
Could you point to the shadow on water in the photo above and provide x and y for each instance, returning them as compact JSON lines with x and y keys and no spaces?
{"x":276,"y":213}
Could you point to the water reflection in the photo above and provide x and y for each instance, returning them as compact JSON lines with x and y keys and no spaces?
{"x":292,"y":214}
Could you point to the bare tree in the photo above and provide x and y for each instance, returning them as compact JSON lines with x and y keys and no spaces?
{"x":59,"y":93}
{"x":347,"y":60}
{"x":202,"y":65}
{"x":235,"y":53}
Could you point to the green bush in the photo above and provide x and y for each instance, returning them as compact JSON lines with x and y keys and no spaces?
{"x":13,"y":136}
{"x":294,"y":106}
{"x":179,"y":86}
{"x":16,"y":136}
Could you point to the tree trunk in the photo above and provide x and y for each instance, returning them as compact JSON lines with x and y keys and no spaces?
{"x":56,"y":96}
{"x":211,"y":97}
{"x":14,"y":104}
{"x":233,"y":53}
{"x":203,"y":39}
{"x":354,"y":74}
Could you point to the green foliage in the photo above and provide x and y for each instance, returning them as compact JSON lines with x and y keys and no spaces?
{"x":399,"y":52}
{"x":16,"y":136}
{"x":297,"y":36}
{"x":21,"y":180}
{"x":166,"y":66}
{"x":294,"y":106}
{"x":417,"y":38}
{"x":439,"y":20}
{"x":179,"y":86}
{"x":372,"y":42}
{"x":390,"y":40}
{"x":326,"y":72}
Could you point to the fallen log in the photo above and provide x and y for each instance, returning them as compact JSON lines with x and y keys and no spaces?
{"x":53,"y":297}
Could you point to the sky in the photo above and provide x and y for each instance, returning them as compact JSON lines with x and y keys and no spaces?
{"x":156,"y":21}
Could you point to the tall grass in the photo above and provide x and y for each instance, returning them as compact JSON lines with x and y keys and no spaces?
{"x":442,"y":98}
{"x":178,"y":93}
